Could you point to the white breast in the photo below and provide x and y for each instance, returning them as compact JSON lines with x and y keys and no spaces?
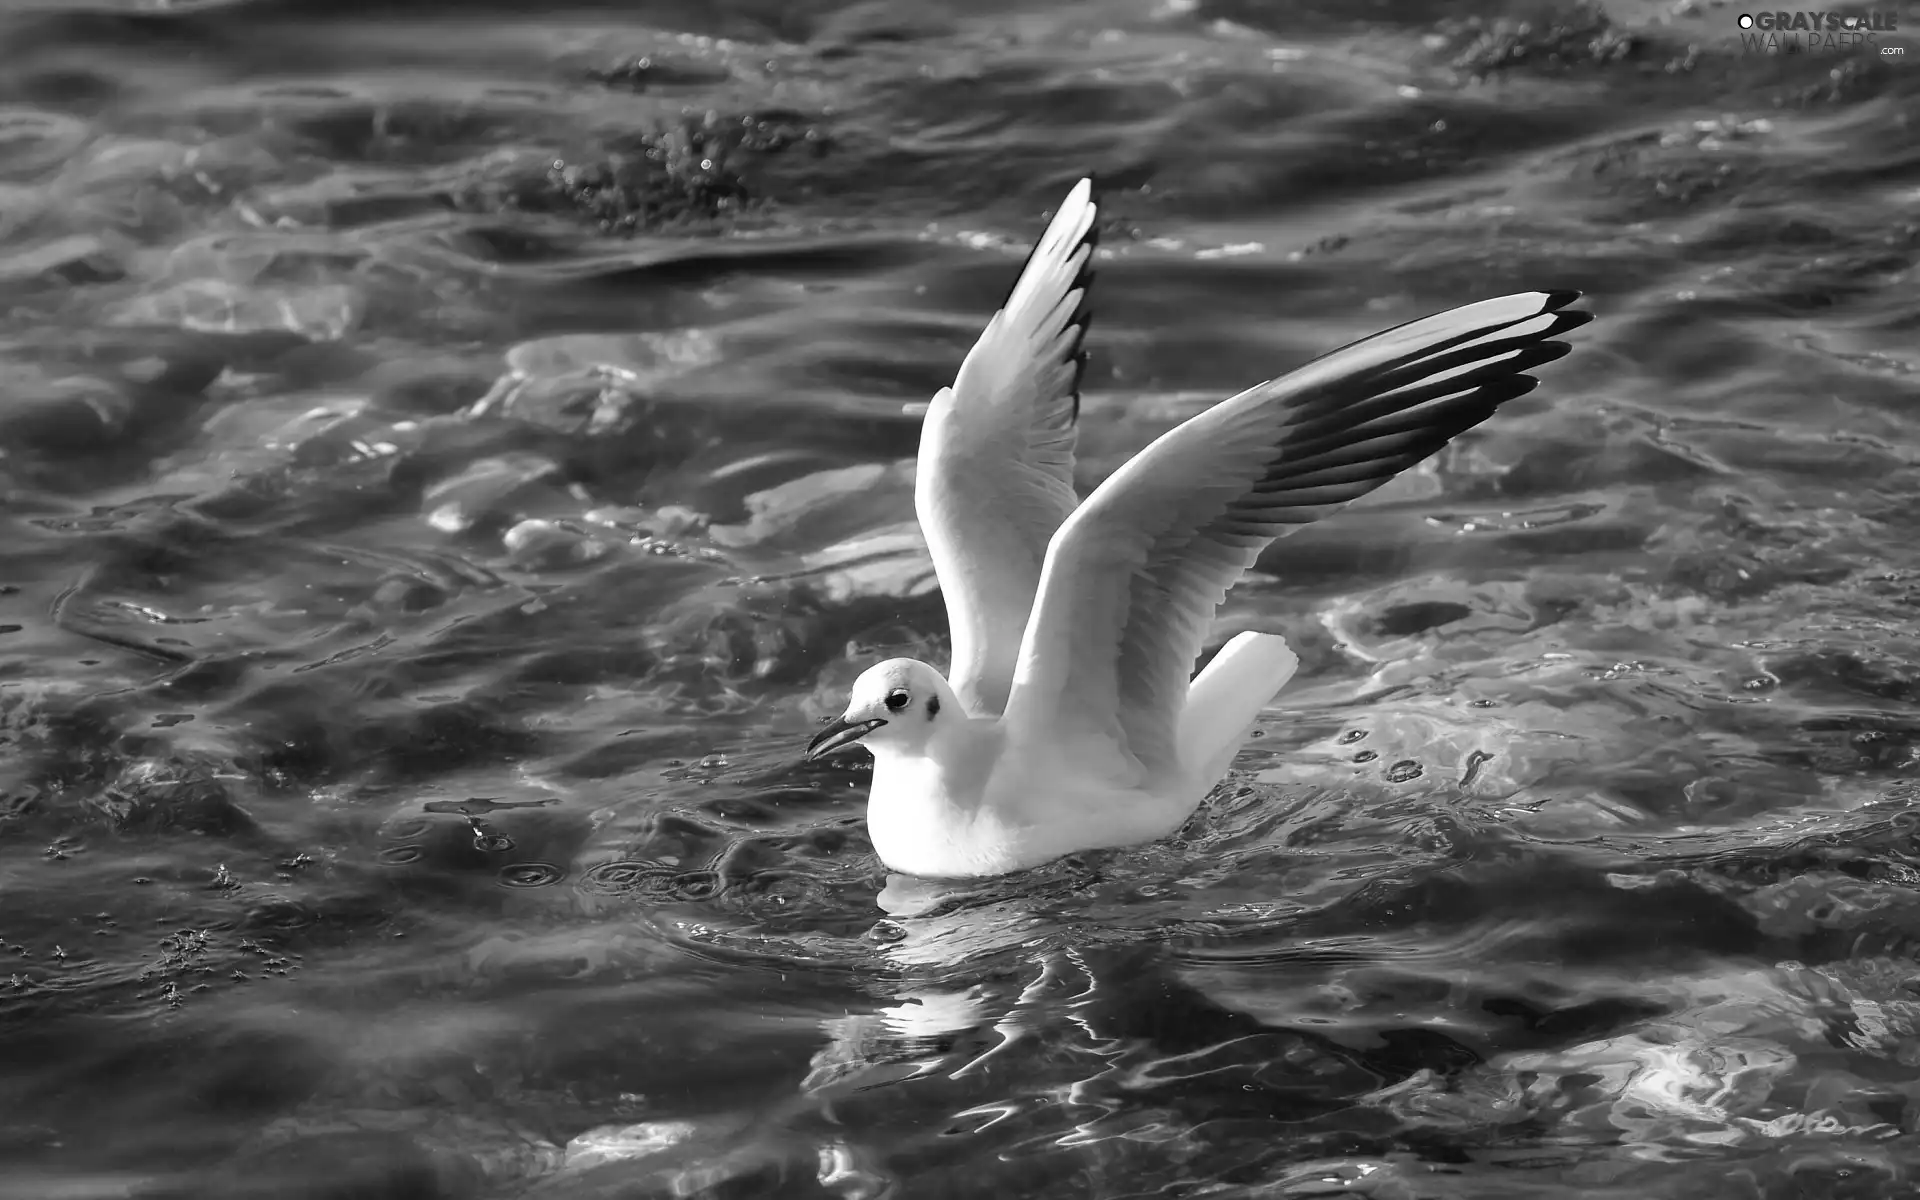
{"x":942,"y":820}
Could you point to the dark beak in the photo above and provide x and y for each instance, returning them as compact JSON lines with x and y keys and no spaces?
{"x":840,"y":734}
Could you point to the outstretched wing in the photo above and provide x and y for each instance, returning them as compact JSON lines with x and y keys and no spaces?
{"x":996,"y":456}
{"x":1134,"y":577}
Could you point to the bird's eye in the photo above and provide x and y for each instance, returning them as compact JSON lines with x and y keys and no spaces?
{"x":897,"y":701}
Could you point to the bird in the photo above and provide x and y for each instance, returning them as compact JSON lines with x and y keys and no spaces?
{"x":1069,"y":719}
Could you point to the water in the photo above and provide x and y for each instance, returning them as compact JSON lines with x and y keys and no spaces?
{"x":453,"y":457}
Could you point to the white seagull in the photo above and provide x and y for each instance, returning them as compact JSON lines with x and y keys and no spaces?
{"x":1070,"y":720}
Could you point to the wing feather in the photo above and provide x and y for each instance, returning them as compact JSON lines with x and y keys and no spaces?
{"x":995,"y":476}
{"x":1132,"y":581}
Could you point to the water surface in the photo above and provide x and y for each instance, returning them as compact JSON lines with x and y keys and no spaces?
{"x":453,"y":456}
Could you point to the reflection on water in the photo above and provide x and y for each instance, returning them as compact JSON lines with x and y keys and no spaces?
{"x":452,"y":454}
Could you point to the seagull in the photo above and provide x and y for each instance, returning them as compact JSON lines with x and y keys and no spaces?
{"x":1069,"y":719}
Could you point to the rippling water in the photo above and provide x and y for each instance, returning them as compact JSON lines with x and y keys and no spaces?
{"x":452,"y":457}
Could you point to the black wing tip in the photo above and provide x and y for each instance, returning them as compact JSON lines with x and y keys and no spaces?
{"x":1567,"y":319}
{"x":1496,"y":392}
{"x":1513,"y":362}
{"x":1358,"y":425}
{"x":1564,"y":319}
{"x":1081,"y":321}
{"x":1504,"y":380}
{"x":1362,"y":437}
{"x":1554,"y":304}
{"x":1082,"y":283}
{"x":1090,"y":239}
{"x":1499,"y":350}
{"x":1427,"y":429}
{"x":1546,"y":352}
{"x":1551,"y":303}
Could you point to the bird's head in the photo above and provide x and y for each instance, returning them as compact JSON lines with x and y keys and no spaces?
{"x":896,"y":706}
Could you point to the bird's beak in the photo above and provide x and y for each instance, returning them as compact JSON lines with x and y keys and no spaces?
{"x":840,"y":734}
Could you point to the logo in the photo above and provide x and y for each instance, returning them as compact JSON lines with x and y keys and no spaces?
{"x":1821,"y":32}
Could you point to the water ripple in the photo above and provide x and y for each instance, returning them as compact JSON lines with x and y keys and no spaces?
{"x":454,"y":454}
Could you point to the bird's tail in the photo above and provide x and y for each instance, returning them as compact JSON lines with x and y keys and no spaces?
{"x":1224,"y":700}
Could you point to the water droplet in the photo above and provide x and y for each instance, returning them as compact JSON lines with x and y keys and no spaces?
{"x":529,"y":874}
{"x":1351,"y":736}
{"x":634,"y":877}
{"x":1405,"y":770}
{"x":409,"y":829}
{"x":1366,"y":756}
{"x":399,"y":856}
{"x":493,"y":843}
